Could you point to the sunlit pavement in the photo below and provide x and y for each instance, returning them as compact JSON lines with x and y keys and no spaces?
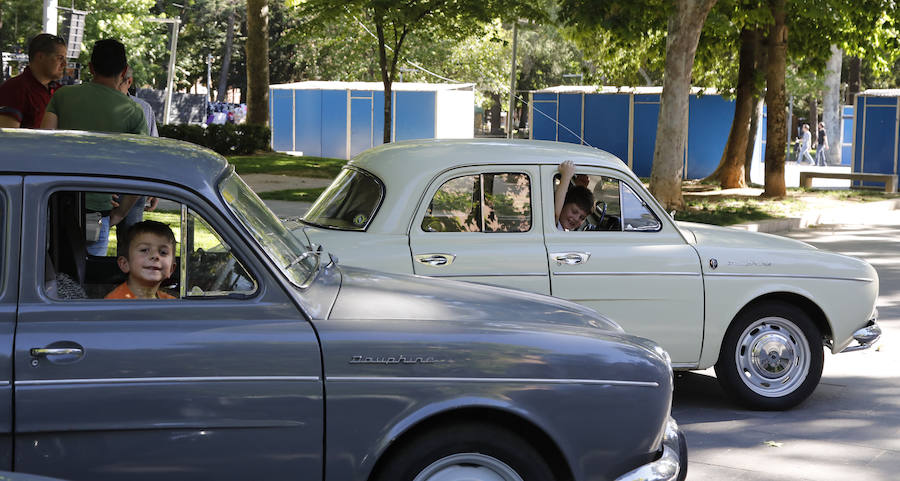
{"x":849,"y":429}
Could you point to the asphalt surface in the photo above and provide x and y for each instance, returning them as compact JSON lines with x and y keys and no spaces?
{"x":849,"y":429}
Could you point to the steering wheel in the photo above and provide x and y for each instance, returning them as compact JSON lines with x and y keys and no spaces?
{"x":599,"y":211}
{"x":224,"y":273}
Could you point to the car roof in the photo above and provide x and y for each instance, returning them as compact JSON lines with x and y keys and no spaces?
{"x":435,"y":155}
{"x":115,"y":155}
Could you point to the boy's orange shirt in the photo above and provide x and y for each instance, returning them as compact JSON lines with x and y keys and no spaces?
{"x":123,"y":292}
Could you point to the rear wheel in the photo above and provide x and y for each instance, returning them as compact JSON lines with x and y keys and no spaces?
{"x":466,"y":452}
{"x":772,"y":357}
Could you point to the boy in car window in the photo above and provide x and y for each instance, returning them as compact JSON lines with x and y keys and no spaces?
{"x":149,"y":259}
{"x":571,"y":204}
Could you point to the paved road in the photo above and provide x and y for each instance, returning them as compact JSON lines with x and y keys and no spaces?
{"x":849,"y":429}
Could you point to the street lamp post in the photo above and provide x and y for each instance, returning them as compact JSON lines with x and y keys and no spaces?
{"x":176,"y":24}
{"x":512,"y":83}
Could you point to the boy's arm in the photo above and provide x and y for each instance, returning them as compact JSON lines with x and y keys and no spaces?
{"x":125,"y":204}
{"x":566,"y":172}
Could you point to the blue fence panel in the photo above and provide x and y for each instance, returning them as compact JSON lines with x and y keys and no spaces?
{"x":414,"y":112}
{"x":606,"y":123}
{"x":282,"y":122}
{"x":543,"y":125}
{"x":646,"y":115}
{"x":308,"y":122}
{"x":570,"y":106}
{"x":334,"y":124}
{"x":858,"y":133}
{"x":378,"y":122}
{"x":361,"y":120}
{"x":709,"y":123}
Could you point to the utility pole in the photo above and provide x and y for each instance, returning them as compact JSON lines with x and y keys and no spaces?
{"x":50,"y":18}
{"x":176,"y":24}
{"x":209,"y":95}
{"x":512,"y":83}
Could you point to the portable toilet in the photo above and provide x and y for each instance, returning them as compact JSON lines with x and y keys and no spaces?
{"x":342,"y":119}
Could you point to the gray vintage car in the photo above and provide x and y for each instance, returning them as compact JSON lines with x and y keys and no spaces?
{"x":273,"y":361}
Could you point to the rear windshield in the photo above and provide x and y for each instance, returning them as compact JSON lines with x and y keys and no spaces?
{"x":349,"y":203}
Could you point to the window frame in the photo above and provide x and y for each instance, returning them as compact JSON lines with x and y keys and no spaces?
{"x":480,"y":173}
{"x":201,"y":207}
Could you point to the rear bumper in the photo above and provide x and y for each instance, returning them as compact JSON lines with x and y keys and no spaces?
{"x":671,"y":466}
{"x":865,"y":337}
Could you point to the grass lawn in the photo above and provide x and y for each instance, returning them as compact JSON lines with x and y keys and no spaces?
{"x":283,"y":164}
{"x":295,"y":195}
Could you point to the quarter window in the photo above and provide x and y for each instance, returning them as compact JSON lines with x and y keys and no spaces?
{"x":490,"y":202}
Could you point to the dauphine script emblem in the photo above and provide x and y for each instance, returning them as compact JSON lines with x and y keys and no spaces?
{"x":401,"y":359}
{"x":750,"y":263}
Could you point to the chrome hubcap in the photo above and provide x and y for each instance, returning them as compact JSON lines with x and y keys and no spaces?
{"x":468,"y":467}
{"x":773,"y":357}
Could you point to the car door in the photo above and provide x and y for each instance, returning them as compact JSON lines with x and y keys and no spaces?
{"x":10,"y":224}
{"x":223,"y":382}
{"x":635,"y":268}
{"x":478,"y":224}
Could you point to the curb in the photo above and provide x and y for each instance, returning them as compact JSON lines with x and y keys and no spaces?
{"x":863,"y":213}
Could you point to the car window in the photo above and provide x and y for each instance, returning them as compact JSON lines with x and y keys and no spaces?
{"x":616,"y":207}
{"x":349,"y":203}
{"x":637,"y":216}
{"x":490,"y":202}
{"x":84,"y":255}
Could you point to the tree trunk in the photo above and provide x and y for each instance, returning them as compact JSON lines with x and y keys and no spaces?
{"x":813,"y":117}
{"x":776,"y":125}
{"x":751,"y":137}
{"x":730,"y":172}
{"x":685,"y":24}
{"x":496,"y":109}
{"x":831,"y":107}
{"x":853,"y":83}
{"x":226,"y":58}
{"x":257,"y":62}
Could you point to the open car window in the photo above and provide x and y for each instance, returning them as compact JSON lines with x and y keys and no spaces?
{"x":615,"y":205}
{"x":489,"y":202}
{"x":349,"y":203}
{"x":82,"y":251}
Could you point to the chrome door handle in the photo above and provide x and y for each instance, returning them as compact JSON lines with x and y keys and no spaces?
{"x":55,"y":351}
{"x":570,"y":258}
{"x":436,"y":260}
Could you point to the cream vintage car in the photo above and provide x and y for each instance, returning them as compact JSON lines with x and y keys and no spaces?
{"x":757,"y":307}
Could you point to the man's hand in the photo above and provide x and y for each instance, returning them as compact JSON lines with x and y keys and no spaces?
{"x":151,"y":204}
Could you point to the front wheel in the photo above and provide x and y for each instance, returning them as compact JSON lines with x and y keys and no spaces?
{"x":772,"y":357}
{"x":466,"y":452}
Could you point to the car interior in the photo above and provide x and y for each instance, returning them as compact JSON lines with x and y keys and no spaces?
{"x":71,"y":273}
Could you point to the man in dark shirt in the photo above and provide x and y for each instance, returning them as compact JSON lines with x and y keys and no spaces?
{"x":24,"y":98}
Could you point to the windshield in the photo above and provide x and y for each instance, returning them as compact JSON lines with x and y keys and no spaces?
{"x":349,"y":203}
{"x":295,"y":259}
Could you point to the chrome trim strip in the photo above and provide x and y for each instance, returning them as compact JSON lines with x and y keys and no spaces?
{"x":4,"y":383}
{"x":691,"y":274}
{"x":516,"y":380}
{"x":791,"y":276}
{"x":518,"y":274}
{"x":126,"y":380}
{"x":684,"y":365}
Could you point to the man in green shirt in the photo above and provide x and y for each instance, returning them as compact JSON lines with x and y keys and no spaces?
{"x":99,"y":106}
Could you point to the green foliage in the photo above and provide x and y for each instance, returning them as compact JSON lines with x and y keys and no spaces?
{"x":226,"y":139}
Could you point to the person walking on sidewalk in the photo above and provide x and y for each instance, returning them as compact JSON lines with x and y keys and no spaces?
{"x":822,"y":146}
{"x":805,"y":141}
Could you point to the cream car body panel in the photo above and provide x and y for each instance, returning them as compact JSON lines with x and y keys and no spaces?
{"x":690,"y":287}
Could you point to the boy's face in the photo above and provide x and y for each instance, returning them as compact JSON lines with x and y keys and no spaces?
{"x":151,"y":259}
{"x":571,"y":216}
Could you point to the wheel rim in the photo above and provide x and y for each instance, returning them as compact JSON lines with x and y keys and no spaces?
{"x":468,"y":467}
{"x":772,"y":357}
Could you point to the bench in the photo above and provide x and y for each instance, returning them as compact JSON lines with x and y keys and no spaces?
{"x":889,"y":180}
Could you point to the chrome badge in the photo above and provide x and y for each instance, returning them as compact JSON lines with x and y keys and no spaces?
{"x":401,"y":359}
{"x":713,"y":263}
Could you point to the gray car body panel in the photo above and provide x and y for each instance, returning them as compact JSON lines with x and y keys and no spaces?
{"x":292,"y":381}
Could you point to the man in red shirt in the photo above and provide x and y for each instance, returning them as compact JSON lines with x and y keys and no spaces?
{"x":24,"y":98}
